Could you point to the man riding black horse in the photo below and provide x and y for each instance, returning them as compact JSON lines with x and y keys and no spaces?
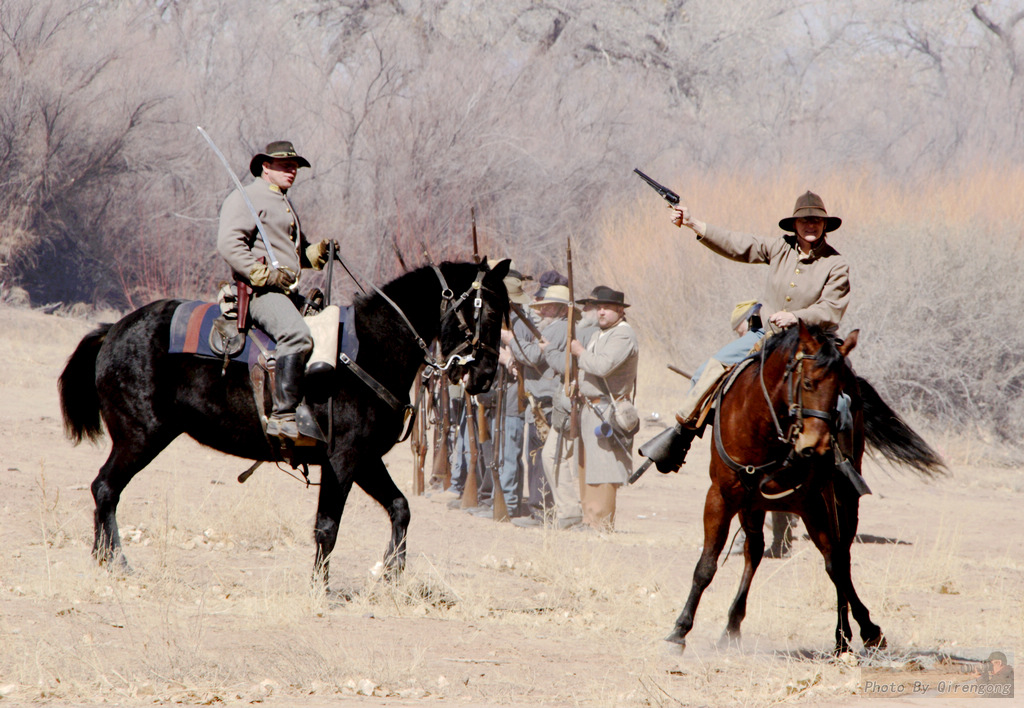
{"x":261,"y":239}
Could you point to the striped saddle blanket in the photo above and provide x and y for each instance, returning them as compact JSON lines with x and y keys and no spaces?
{"x":192,"y":324}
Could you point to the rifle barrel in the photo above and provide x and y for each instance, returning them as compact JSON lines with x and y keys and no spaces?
{"x":684,"y":374}
{"x":518,"y":309}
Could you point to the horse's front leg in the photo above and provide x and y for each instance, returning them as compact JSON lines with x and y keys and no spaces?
{"x":716,"y":532}
{"x":836,"y":553}
{"x":753,"y":551}
{"x":374,"y":479}
{"x":335,"y":485}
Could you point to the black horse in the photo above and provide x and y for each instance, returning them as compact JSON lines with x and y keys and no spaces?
{"x":779,"y":445}
{"x":147,"y":397}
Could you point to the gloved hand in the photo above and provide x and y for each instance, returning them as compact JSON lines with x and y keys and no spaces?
{"x":317,"y":252}
{"x":263,"y":276}
{"x":281,"y":279}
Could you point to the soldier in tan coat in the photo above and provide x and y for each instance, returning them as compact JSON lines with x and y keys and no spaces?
{"x":808,"y":281}
{"x":275,"y":300}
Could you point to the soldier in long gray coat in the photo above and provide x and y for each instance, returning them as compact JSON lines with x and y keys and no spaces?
{"x":275,"y":300}
{"x":608,"y":367}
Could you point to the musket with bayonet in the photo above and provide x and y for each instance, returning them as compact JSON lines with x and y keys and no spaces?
{"x":252,"y":210}
{"x":667,"y":194}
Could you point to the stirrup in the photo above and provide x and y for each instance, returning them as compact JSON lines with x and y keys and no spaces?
{"x":282,"y":426}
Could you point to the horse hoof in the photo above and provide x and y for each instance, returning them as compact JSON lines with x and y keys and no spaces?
{"x":729,"y":641}
{"x":876,"y":642}
{"x":677,"y":637}
{"x":116,"y":565}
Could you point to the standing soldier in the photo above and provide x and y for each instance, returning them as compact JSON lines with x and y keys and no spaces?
{"x":608,"y":368}
{"x":275,"y":302}
{"x":557,"y":452}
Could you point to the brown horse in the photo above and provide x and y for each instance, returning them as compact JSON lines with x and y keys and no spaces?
{"x":780,"y":444}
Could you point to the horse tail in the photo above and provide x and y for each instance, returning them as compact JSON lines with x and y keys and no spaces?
{"x":890,"y":435}
{"x":79,"y":398}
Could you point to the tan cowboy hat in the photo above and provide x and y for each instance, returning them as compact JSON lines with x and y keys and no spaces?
{"x":742,"y":312}
{"x":554,"y":295}
{"x":809,"y":204}
{"x":513,"y":282}
{"x":279,"y":149}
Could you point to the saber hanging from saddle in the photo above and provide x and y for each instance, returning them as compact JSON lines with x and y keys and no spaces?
{"x":252,"y":209}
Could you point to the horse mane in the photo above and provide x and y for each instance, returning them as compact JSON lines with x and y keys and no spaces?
{"x":829,"y":357}
{"x":410,"y":279}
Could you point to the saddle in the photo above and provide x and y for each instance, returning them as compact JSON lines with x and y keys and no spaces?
{"x":724,"y":383}
{"x":211,"y":330}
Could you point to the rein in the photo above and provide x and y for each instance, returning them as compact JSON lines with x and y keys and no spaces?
{"x":795,"y":408}
{"x":449,"y":304}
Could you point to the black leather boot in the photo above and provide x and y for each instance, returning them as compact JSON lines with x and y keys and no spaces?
{"x":667,"y":450}
{"x":287,"y":395}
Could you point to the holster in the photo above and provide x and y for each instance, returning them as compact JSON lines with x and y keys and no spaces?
{"x":244,"y":295}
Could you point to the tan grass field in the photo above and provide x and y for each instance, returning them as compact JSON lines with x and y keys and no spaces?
{"x":220,"y":609}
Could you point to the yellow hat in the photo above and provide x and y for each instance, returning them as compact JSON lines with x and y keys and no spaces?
{"x":741,"y":312}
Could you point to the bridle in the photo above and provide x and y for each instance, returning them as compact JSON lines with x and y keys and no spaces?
{"x":794,"y":377}
{"x":793,"y":380}
{"x":472,"y":340}
{"x":450,"y":305}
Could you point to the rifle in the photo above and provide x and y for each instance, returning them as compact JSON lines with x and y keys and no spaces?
{"x":476,"y":246}
{"x":571,"y":372}
{"x":420,"y":446}
{"x":521,"y":314}
{"x":469,"y":489}
{"x":667,"y":194}
{"x":498,"y":495}
{"x":440,"y":470}
{"x":684,"y":374}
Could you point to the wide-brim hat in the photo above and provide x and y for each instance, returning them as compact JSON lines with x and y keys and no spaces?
{"x":277,"y":150}
{"x":809,"y":204}
{"x":513,"y":282}
{"x":603,"y":295}
{"x":554,"y":295}
{"x":743,"y":312}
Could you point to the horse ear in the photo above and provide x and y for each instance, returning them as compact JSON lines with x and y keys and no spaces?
{"x":805,"y":334}
{"x":849,"y":343}
{"x":500,"y":270}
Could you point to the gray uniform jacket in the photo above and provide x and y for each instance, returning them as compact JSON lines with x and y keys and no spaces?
{"x":238,"y":240}
{"x":815,"y":287}
{"x":610,"y":362}
{"x":537,"y":377}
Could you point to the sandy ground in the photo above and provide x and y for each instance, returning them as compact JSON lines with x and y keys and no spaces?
{"x":220,"y":608}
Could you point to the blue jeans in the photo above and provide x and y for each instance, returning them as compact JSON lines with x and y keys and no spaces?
{"x":732,"y":353}
{"x":511,"y":470}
